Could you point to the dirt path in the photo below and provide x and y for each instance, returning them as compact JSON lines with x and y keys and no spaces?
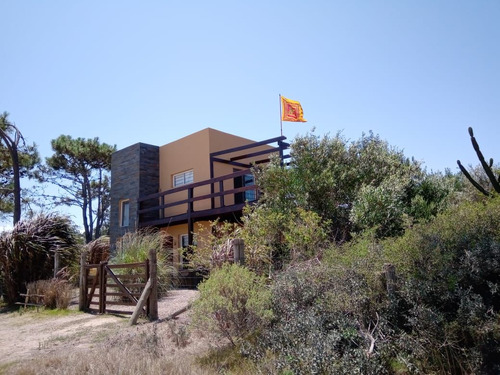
{"x":29,"y":334}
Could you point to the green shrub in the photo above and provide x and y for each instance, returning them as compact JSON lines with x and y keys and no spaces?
{"x":449,"y":282}
{"x":233,"y":303}
{"x":323,"y":323}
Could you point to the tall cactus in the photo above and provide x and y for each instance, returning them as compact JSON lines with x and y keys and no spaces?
{"x":495,"y":181}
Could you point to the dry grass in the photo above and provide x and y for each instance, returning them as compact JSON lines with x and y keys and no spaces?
{"x":149,"y":348}
{"x":127,"y":361}
{"x":57,"y":293}
{"x":78,"y":343}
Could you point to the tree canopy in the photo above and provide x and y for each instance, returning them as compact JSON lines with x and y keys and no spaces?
{"x":17,"y":160}
{"x":80,"y":167}
{"x":352,"y":185}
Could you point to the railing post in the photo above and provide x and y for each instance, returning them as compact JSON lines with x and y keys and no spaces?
{"x":162,"y":210}
{"x":83,"y":282}
{"x":221,"y":189}
{"x":189,"y":212}
{"x":153,"y":296}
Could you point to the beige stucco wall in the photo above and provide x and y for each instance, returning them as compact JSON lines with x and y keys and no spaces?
{"x":187,"y":153}
{"x":193,"y":152}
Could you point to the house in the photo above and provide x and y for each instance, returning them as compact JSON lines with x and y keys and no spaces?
{"x":196,"y":179}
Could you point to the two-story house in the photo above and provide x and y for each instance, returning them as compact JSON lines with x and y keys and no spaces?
{"x":196,"y":179}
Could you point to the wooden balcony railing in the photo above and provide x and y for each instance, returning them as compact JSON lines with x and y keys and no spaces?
{"x":153,"y":210}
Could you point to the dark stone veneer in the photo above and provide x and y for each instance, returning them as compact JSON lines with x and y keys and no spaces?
{"x":134,"y":173}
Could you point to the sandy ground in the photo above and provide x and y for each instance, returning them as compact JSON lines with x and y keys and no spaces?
{"x":29,"y":334}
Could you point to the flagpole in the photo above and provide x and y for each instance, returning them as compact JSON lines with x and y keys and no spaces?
{"x":281,"y":119}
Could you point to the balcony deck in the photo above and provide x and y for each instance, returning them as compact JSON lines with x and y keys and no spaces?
{"x":222,"y":202}
{"x":152,"y":207}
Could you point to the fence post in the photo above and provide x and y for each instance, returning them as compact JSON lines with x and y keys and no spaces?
{"x":83,"y":281}
{"x":148,"y":274}
{"x":102,"y":288}
{"x":390,"y":279}
{"x":238,"y":251}
{"x":153,"y":296}
{"x":56,"y":261}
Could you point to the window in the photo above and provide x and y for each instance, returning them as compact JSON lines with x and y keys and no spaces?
{"x":125,"y":213}
{"x":184,"y":245}
{"x":184,"y":240}
{"x":248,"y":195}
{"x":183,"y":178}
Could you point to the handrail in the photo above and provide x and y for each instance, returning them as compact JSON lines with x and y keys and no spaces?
{"x":189,"y":197}
{"x":195,"y":185}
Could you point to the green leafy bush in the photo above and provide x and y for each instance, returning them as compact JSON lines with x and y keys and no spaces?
{"x":449,"y":283}
{"x":324,"y":323}
{"x":440,"y":314}
{"x":233,"y":303}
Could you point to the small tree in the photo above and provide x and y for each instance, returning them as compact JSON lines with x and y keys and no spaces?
{"x":488,"y":169}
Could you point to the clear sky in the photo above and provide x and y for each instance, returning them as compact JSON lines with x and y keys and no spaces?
{"x":417,"y":73}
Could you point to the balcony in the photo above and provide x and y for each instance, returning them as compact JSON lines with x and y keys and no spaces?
{"x":220,"y":202}
{"x":217,"y":197}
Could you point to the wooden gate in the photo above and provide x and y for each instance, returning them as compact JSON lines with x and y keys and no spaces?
{"x":117,"y":288}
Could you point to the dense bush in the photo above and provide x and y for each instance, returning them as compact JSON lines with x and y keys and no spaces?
{"x":440,"y":314}
{"x":233,"y":303}
{"x":450,"y":279}
{"x":27,"y":252}
{"x":324,"y":322}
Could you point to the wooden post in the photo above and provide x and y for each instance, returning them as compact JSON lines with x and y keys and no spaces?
{"x":148,"y":275}
{"x":190,"y":210}
{"x":238,"y":251}
{"x":221,"y":189}
{"x":102,"y":286}
{"x":83,"y":281}
{"x":390,"y":279}
{"x":153,"y":296}
{"x":140,"y":304}
{"x":56,"y":261}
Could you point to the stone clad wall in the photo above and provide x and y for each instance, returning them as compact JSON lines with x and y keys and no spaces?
{"x":134,"y":173}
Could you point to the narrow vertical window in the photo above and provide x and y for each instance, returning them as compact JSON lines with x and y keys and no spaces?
{"x":184,"y":245}
{"x":184,"y":240}
{"x":125,"y":213}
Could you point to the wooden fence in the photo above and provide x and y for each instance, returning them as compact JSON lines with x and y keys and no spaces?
{"x":118,"y":288}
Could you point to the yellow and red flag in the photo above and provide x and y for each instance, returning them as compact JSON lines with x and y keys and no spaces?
{"x":291,"y":111}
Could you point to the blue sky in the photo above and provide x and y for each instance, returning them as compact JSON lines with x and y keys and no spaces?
{"x":417,"y":73}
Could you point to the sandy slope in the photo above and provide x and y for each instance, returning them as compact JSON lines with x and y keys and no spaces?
{"x":24,"y":336}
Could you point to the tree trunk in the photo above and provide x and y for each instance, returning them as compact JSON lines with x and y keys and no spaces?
{"x":17,"y":184}
{"x":12,"y":146}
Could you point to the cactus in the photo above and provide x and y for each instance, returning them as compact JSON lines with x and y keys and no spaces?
{"x":488,"y":168}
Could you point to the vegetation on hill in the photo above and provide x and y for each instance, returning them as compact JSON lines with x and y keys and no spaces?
{"x":356,"y":261}
{"x":374,"y":265}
